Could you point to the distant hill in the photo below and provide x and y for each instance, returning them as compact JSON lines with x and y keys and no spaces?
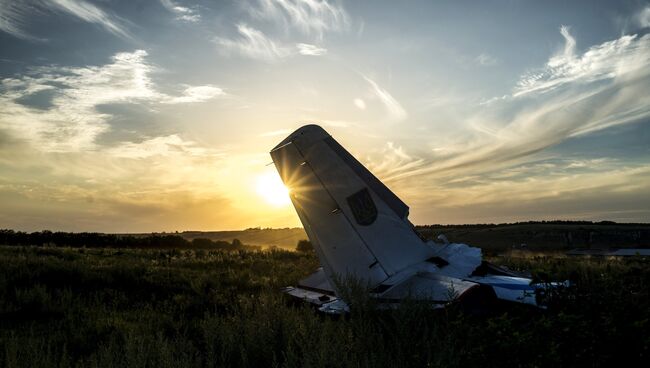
{"x":286,"y":238}
{"x":545,"y":235}
{"x":551,"y":235}
{"x":532,"y":235}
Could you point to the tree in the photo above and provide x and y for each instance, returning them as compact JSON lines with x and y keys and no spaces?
{"x":237,"y":244}
{"x":304,"y":246}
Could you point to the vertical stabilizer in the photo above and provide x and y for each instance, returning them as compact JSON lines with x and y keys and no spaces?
{"x":356,"y":224}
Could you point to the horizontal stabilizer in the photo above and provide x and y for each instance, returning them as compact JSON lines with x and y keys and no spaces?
{"x":429,"y":286}
{"x":317,"y":281}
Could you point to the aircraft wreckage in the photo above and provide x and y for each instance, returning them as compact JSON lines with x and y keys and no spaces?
{"x":360,"y":229}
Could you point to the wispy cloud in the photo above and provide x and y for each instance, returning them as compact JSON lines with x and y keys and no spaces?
{"x":254,"y":44}
{"x":15,"y":15}
{"x":72,"y":121}
{"x":607,"y":61}
{"x":486,"y":60}
{"x":310,"y":50}
{"x":394,"y":108}
{"x":165,"y":146}
{"x":307,"y":16}
{"x":510,"y":194}
{"x":394,"y":160}
{"x":90,"y":13}
{"x":196,"y":94}
{"x":182,"y":13}
{"x":13,"y":18}
{"x":573,"y":94}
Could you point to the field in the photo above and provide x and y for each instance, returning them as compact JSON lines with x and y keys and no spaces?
{"x":167,"y":308}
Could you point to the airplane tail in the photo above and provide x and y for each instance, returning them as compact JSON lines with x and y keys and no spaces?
{"x":360,"y":231}
{"x":357,"y":225}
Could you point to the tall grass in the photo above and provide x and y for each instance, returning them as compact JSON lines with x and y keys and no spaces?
{"x":170,"y":308}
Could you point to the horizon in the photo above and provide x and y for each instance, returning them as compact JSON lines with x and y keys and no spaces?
{"x":259,"y":228}
{"x":138,"y":117}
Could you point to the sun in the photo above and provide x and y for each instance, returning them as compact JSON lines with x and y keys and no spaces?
{"x":272,"y":190}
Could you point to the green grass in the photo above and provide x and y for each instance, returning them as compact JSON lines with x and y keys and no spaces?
{"x":166,"y":308}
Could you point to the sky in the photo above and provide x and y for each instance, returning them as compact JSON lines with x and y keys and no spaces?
{"x":158,"y":115}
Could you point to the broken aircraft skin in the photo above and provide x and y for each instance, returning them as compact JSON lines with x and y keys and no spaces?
{"x":360,"y":230}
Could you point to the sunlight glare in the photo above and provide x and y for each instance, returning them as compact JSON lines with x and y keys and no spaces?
{"x":272,"y":190}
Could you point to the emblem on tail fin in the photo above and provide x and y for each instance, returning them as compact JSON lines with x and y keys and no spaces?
{"x":363,"y":208}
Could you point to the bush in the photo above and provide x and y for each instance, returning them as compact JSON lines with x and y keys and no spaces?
{"x":304,"y":246}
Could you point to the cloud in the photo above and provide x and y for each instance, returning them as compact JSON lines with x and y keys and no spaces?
{"x":614,"y":191}
{"x":158,"y":184}
{"x":486,"y":60}
{"x":72,"y":121}
{"x":574,"y":94}
{"x":310,"y":50}
{"x":607,"y":61}
{"x":569,"y":47}
{"x":13,"y":18}
{"x":55,"y":174}
{"x":395,"y":110}
{"x":164,"y":146}
{"x":394,"y":160}
{"x":182,"y":13}
{"x":254,"y":44}
{"x":196,"y":94}
{"x":14,"y":15}
{"x":91,"y":14}
{"x":307,"y":16}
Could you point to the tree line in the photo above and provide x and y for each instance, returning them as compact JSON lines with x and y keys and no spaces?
{"x":543,"y":222}
{"x":100,"y":240}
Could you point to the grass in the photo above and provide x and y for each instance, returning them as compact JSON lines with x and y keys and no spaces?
{"x":83,"y":307}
